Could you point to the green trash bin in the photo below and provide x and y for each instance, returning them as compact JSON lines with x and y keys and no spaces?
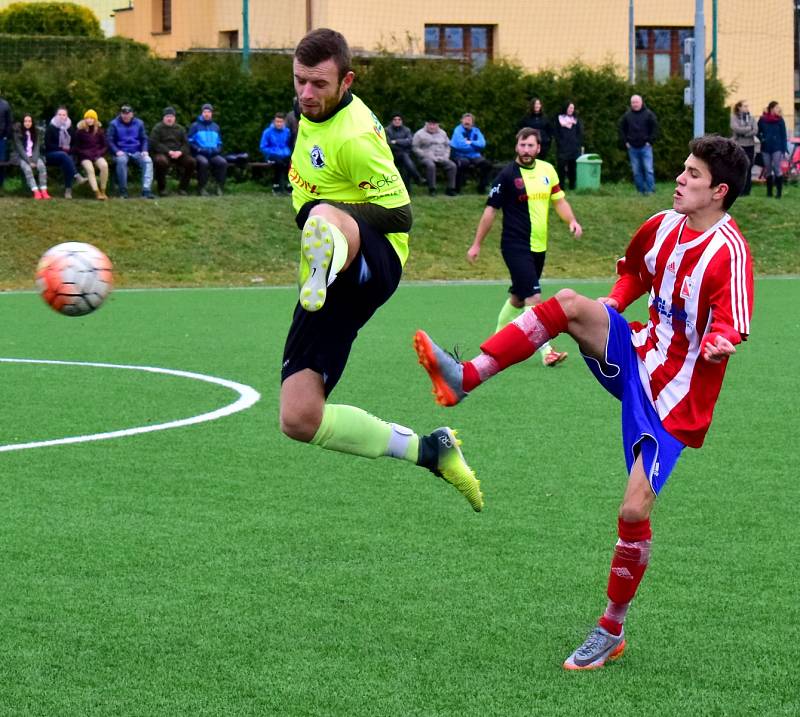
{"x":588,"y":174}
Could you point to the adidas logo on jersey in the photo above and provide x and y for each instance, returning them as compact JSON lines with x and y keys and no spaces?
{"x":671,"y":267}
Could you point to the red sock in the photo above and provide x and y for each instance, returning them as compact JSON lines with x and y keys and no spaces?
{"x":631,"y":556}
{"x":470,"y":378}
{"x":523,"y":336}
{"x":552,"y":315}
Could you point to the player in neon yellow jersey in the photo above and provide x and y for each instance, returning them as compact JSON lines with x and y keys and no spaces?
{"x":524,"y":190}
{"x":354,"y":213}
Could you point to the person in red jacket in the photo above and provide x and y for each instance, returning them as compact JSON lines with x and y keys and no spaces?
{"x":694,"y":265}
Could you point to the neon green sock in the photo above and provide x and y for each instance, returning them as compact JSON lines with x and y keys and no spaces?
{"x":348,"y":429}
{"x":508,"y":313}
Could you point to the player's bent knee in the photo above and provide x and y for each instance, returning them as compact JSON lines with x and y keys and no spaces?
{"x":568,"y":298}
{"x":633,"y":511}
{"x":298,"y":424}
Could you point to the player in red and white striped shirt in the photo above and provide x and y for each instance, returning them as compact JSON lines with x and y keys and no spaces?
{"x":695,"y":265}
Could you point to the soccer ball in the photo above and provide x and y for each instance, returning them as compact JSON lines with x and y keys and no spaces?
{"x":74,"y":278}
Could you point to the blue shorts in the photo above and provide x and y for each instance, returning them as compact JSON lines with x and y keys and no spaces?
{"x":642,"y":431}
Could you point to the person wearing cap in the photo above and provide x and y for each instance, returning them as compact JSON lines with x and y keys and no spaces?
{"x":400,"y":139}
{"x":127,"y":139}
{"x":89,"y":149}
{"x":170,"y":147}
{"x":276,"y":146}
{"x":205,"y":139}
{"x":432,"y":147}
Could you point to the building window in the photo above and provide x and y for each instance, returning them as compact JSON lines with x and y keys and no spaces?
{"x":659,"y":52}
{"x":473,"y":43}
{"x":229,"y":39}
{"x":166,"y":15}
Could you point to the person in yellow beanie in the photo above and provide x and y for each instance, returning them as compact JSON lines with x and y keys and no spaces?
{"x":90,"y":149}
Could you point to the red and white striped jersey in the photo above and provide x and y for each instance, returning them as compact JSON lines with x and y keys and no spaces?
{"x":698,"y":284}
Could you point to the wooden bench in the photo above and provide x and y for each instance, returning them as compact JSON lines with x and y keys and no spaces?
{"x":258,"y":170}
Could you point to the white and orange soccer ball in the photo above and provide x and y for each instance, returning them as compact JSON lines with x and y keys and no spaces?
{"x":74,"y":278}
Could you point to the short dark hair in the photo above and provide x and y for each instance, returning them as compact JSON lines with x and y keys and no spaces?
{"x":526,"y":132}
{"x":726,"y":161}
{"x":280,"y":115}
{"x":325,"y":44}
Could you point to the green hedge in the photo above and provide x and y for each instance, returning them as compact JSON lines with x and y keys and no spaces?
{"x":498,"y":96}
{"x":49,"y":18}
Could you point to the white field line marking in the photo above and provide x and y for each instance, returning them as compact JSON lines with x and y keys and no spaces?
{"x":247,"y":397}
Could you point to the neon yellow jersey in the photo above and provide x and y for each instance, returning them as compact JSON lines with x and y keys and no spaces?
{"x":524,"y":194}
{"x":346,"y":159}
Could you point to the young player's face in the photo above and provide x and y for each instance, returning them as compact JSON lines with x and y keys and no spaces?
{"x":527,"y":150}
{"x":694,"y":192}
{"x":318,"y":88}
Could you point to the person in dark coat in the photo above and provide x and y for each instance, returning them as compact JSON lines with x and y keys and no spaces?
{"x":638,"y":129}
{"x":772,"y":133}
{"x":568,"y":134}
{"x":170,"y":146}
{"x":58,"y":144}
{"x":537,"y":119}
{"x":400,"y":139}
{"x":27,"y":155}
{"x":89,"y":149}
{"x":6,"y":124}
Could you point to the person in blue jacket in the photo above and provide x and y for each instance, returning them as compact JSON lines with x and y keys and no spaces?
{"x":205,"y":139}
{"x":276,"y":146}
{"x":127,"y":141}
{"x":467,"y":143}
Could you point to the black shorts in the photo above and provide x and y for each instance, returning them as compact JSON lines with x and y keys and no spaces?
{"x":321,"y":340}
{"x":525,"y":267}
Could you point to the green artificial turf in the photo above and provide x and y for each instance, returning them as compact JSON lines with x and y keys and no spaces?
{"x":221,"y":569}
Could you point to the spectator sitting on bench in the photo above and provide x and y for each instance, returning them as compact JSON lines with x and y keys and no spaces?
{"x":205,"y":139}
{"x":26,"y":153}
{"x":432,"y":147}
{"x":170,"y":146}
{"x":90,"y":149}
{"x":467,"y":142}
{"x":58,"y":140}
{"x":5,"y":134}
{"x":276,"y":147}
{"x":400,"y":139}
{"x":127,"y":139}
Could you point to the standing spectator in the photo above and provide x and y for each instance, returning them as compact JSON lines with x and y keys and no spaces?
{"x":205,"y":140}
{"x":568,"y":133}
{"x":537,"y":119}
{"x":27,"y":153}
{"x":432,"y":147}
{"x":772,"y":133}
{"x":467,"y":142}
{"x":400,"y":140}
{"x":276,"y":146}
{"x":127,"y":139}
{"x":6,"y":121}
{"x":90,"y":149}
{"x":58,"y":145}
{"x":744,"y":131}
{"x":638,"y":129}
{"x":170,"y":146}
{"x":523,"y":241}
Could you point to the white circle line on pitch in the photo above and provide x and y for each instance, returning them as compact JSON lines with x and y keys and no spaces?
{"x":247,"y":397}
